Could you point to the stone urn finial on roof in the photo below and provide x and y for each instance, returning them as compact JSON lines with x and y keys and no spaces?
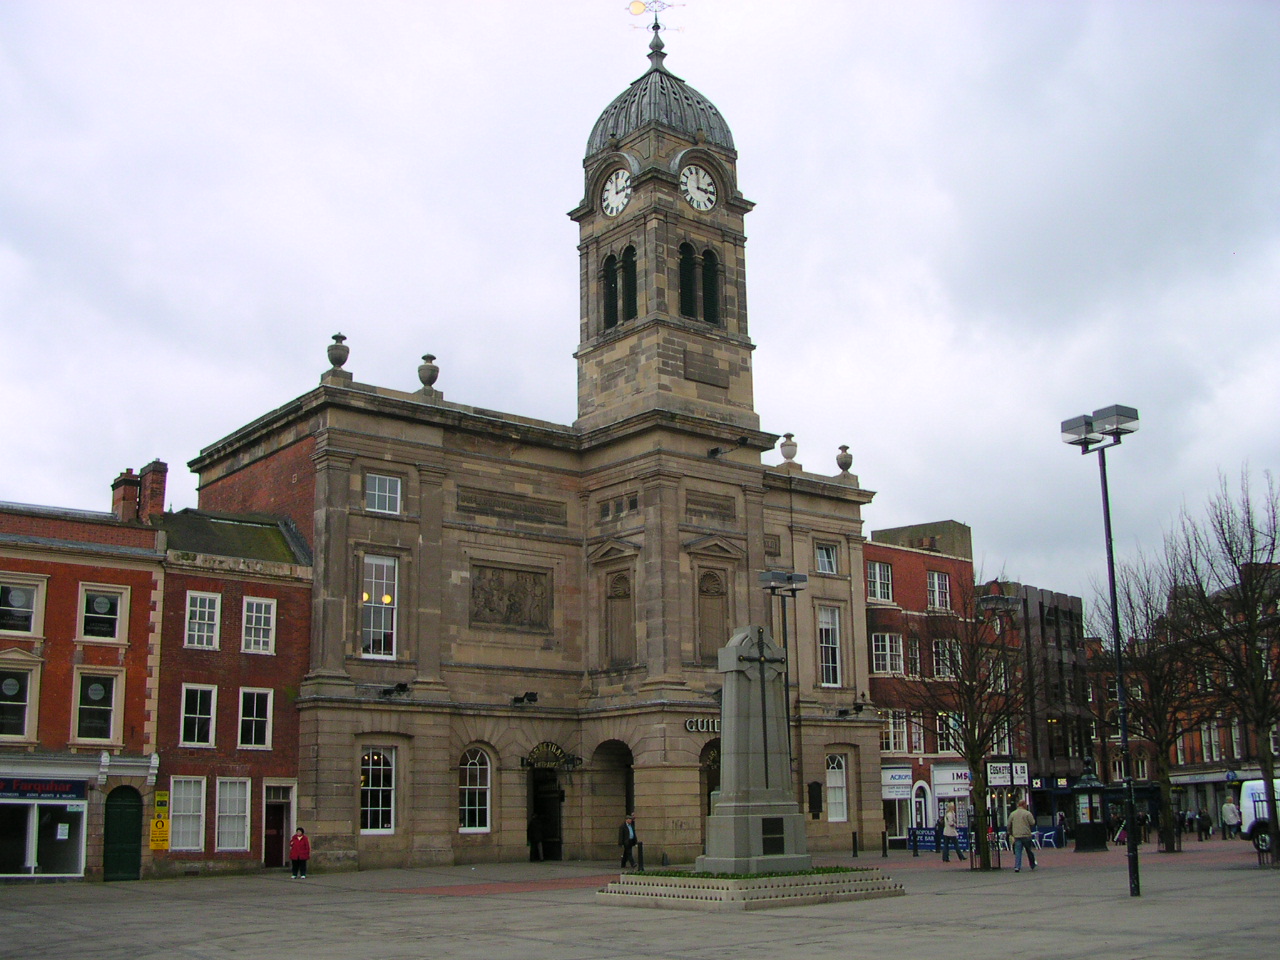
{"x":428,"y":371}
{"x":844,"y":459}
{"x":338,"y":351}
{"x":788,"y":446}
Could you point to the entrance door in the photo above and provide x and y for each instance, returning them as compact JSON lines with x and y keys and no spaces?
{"x":275,"y":833}
{"x":122,"y":835}
{"x":545,"y":798}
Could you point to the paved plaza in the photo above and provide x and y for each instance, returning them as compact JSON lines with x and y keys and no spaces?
{"x":1211,"y":901}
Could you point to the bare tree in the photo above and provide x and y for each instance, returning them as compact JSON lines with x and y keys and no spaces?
{"x":976,"y":690}
{"x":1161,"y":673}
{"x":1225,"y":572}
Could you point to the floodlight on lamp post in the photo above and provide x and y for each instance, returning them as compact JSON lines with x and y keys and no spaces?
{"x":1097,"y":433}
{"x":782,"y":584}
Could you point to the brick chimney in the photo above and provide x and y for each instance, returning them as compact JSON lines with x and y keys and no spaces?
{"x":151,"y":500}
{"x":124,"y":495}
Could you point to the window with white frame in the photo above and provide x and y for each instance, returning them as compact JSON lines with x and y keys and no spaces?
{"x":1237,"y":739}
{"x":1002,"y":736}
{"x":204,"y":615}
{"x":938,"y":589}
{"x":946,"y":658}
{"x":1140,"y":768}
{"x":186,"y":813}
{"x":378,"y":608}
{"x":1117,"y":769}
{"x":255,"y":718}
{"x":378,"y":791}
{"x":837,"y":789}
{"x":1275,"y":740}
{"x":233,"y":815}
{"x":199,"y":705}
{"x":19,"y":694}
{"x":826,"y":558}
{"x":259,"y":634}
{"x":474,"y":792}
{"x":886,"y":653}
{"x":21,"y":603}
{"x":879,"y":580}
{"x":1212,"y":742}
{"x":103,"y":612}
{"x":96,"y":705}
{"x":915,"y":732}
{"x":829,"y":646}
{"x":949,"y":738}
{"x":1113,"y":689}
{"x":1180,"y":750}
{"x":381,"y":493}
{"x":893,"y":735}
{"x":913,"y":656}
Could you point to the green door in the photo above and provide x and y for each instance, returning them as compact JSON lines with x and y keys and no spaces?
{"x":122,"y":835}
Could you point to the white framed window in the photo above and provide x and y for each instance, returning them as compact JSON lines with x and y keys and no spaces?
{"x":949,"y":739}
{"x":474,"y":792}
{"x":915,"y":732}
{"x":104,"y":612}
{"x":97,"y":716}
{"x":913,"y":656}
{"x":204,"y":616}
{"x":22,"y":604}
{"x":199,"y":707}
{"x":19,"y":696}
{"x":826,"y":558}
{"x":1237,"y":739}
{"x":837,"y":789}
{"x":255,"y":718}
{"x":186,"y":813}
{"x":1275,"y":740}
{"x":879,"y":580}
{"x":946,"y":658}
{"x":1002,"y":737}
{"x":381,"y":493}
{"x":829,"y":646}
{"x":1117,"y":769}
{"x":259,"y":621}
{"x":233,"y":815}
{"x":378,"y":790}
{"x":893,"y":735}
{"x":1113,"y":690}
{"x":886,"y":653}
{"x":1140,"y":768}
{"x":1180,"y":748}
{"x":378,"y":608}
{"x":1212,"y":742}
{"x":938,"y":589}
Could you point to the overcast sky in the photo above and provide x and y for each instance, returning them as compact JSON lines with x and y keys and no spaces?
{"x":974,"y":220}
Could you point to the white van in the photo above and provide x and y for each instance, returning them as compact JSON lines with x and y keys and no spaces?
{"x":1253,"y":812}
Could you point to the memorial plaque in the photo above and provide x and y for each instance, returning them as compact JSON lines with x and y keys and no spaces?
{"x":511,"y":599}
{"x":701,"y":507}
{"x":504,"y":506}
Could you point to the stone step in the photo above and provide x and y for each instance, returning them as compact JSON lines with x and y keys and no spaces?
{"x":714,"y":893}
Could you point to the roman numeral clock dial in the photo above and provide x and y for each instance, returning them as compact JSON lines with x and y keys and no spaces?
{"x":697,"y":187}
{"x":616,"y":193}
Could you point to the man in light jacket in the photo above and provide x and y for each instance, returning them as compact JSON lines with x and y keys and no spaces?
{"x":1022,"y":827}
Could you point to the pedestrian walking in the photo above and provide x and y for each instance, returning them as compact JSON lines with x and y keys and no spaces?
{"x":299,"y":854}
{"x":1022,"y":829}
{"x":1230,"y":819}
{"x":950,"y":834}
{"x":627,"y":839}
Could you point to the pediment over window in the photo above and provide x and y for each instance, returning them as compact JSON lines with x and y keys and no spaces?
{"x":614,"y":548}
{"x":715,"y":546}
{"x":20,"y":656}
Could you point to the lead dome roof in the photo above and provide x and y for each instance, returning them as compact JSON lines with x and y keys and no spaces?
{"x":659,"y":96}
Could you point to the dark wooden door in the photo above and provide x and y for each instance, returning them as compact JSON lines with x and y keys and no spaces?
{"x":122,"y":835}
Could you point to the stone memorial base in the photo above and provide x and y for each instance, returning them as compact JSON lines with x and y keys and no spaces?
{"x":755,"y":837}
{"x":720,"y":894}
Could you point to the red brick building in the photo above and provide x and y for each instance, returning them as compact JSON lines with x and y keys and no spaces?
{"x":80,"y":598}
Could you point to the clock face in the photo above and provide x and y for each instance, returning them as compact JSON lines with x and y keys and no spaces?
{"x":616,"y":193}
{"x":697,"y":187}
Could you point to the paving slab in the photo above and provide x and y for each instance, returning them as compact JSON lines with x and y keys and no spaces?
{"x":1211,"y":901}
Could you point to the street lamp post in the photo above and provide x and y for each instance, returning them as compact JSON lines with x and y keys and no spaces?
{"x":783,"y":585}
{"x":1097,"y":433}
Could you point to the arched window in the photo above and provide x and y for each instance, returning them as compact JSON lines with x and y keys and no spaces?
{"x":688,"y":281}
{"x":474,"y":792}
{"x":629,"y":309}
{"x":713,"y":615}
{"x":620,"y":620}
{"x":710,"y":287}
{"x":609,"y":292}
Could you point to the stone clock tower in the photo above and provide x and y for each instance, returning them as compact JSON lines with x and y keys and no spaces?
{"x":663,"y":285}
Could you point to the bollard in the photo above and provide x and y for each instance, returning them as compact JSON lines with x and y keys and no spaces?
{"x":884,"y":843}
{"x":640,"y":857}
{"x":855,"y":844}
{"x":915,"y":842}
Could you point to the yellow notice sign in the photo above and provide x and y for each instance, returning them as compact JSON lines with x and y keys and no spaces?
{"x":159,"y":834}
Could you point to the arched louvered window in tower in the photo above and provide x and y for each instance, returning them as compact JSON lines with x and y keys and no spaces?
{"x":620,"y":621}
{"x":710,"y":287}
{"x":609,"y":292}
{"x":688,"y":281}
{"x":629,"y":310}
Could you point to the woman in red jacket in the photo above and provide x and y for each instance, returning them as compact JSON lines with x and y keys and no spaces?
{"x":299,"y":853}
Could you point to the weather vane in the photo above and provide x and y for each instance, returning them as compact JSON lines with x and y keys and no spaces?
{"x":639,"y":8}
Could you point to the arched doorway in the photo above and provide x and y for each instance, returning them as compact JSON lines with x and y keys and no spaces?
{"x":708,"y":780}
{"x":546,"y":796}
{"x":122,"y":835}
{"x":613,"y":796}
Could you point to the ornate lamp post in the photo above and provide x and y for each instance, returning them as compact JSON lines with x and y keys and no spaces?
{"x":783,"y":585}
{"x":1097,"y":433}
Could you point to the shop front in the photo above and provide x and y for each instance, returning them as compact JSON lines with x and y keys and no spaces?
{"x":42,"y":826}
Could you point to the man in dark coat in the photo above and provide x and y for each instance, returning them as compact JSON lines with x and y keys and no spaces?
{"x":627,"y":840}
